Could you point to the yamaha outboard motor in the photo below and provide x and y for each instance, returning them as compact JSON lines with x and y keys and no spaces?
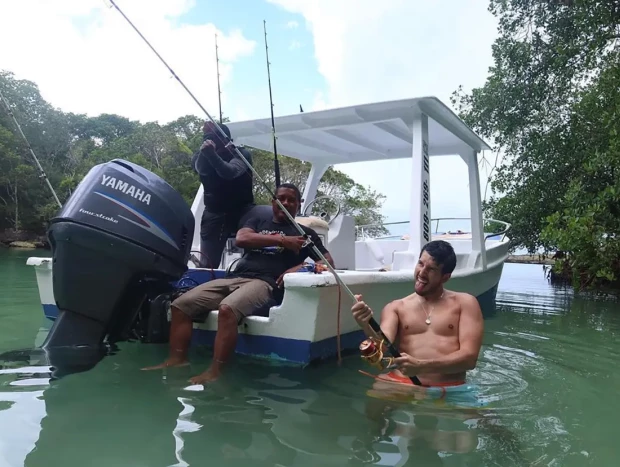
{"x":123,"y":236}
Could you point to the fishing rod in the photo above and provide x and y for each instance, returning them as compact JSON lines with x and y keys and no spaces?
{"x":41,"y":171}
{"x":217,"y":67}
{"x":276,"y":164}
{"x":224,"y":138}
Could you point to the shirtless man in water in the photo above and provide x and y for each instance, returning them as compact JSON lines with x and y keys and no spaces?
{"x":439,"y":331}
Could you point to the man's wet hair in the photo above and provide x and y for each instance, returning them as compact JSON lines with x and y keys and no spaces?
{"x":442,"y":253}
{"x":291,"y":187}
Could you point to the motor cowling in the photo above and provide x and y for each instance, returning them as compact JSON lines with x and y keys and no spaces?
{"x":124,"y":236}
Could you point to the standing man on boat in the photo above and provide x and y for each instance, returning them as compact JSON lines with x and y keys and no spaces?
{"x":228,"y":196}
{"x":273,"y":248}
{"x":439,"y":331}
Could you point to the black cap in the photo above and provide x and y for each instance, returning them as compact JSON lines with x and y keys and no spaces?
{"x":210,"y":126}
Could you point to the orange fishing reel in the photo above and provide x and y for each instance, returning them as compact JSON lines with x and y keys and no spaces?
{"x":372,"y":351}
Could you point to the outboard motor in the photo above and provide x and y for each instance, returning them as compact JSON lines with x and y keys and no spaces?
{"x":123,"y":236}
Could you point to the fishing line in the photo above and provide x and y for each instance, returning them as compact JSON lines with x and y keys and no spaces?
{"x":276,"y":164}
{"x":224,"y":138}
{"x":19,"y":128}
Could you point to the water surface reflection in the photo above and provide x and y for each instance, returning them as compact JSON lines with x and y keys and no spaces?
{"x":547,"y":367}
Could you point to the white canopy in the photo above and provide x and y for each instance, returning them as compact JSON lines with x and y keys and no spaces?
{"x":360,"y":133}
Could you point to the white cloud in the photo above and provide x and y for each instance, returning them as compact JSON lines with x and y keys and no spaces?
{"x":294,"y":45}
{"x":86,"y":58}
{"x":241,"y":114}
{"x":405,"y":48}
{"x":319,"y":101}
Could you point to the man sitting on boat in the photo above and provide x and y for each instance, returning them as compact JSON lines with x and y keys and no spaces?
{"x":228,"y":196}
{"x":439,"y":331}
{"x":273,"y":248}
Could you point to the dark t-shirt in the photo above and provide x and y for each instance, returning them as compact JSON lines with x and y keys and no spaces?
{"x":269,"y":263}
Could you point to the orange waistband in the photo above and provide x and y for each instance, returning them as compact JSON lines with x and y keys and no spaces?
{"x":395,"y":377}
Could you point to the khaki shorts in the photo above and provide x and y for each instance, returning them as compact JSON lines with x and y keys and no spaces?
{"x":243,"y":296}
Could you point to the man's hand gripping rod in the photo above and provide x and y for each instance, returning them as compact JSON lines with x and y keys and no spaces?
{"x":373,"y":324}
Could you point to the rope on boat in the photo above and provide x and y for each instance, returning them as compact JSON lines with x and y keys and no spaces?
{"x":338,"y":326}
{"x":224,"y":139}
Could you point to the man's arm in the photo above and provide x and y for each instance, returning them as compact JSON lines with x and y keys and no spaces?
{"x":329,"y":259}
{"x":388,"y":324}
{"x":247,"y":237}
{"x":471,"y":331}
{"x":230,"y":170}
{"x":304,"y":253}
{"x":198,"y":164}
{"x":227,"y":170}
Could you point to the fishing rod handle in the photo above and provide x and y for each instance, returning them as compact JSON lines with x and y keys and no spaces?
{"x":372,"y":322}
{"x":375,"y":327}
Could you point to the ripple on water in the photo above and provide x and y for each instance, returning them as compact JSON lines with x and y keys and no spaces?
{"x":543,"y":304}
{"x":22,"y":409}
{"x":23,"y":378}
{"x":546,"y":357}
{"x":498,"y":376}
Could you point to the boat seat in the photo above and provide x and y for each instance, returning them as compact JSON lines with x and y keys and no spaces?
{"x":231,"y":247}
{"x":264,"y":310}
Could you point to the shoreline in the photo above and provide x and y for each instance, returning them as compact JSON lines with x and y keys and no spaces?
{"x":530,"y":259}
{"x":22,"y":240}
{"x":512,"y":259}
{"x":34,"y":242}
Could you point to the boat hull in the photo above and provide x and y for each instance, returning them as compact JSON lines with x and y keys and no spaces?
{"x":313,"y":321}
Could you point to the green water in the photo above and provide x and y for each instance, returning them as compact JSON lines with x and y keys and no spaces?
{"x":549,"y":362}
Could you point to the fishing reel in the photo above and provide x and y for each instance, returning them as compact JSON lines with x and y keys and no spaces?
{"x":316,"y":268}
{"x":372,"y":351}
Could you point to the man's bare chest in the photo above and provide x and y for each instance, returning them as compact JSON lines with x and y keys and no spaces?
{"x":442,"y":321}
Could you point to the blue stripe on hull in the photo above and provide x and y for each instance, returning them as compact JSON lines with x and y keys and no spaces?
{"x":294,"y":351}
{"x":198,"y":275}
{"x":50,"y":311}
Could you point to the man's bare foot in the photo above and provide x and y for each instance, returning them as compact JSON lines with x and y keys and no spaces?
{"x":170,"y":363}
{"x":205,"y":377}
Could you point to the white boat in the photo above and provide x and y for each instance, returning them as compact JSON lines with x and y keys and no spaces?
{"x":313,"y":321}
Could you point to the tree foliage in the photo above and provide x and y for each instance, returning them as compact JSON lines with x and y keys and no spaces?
{"x":550,"y":105}
{"x":69,"y":145}
{"x":588,"y":223}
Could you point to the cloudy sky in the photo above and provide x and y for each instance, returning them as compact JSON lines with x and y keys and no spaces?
{"x":324,"y":54}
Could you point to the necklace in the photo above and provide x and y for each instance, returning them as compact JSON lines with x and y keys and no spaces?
{"x":428,"y":315}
